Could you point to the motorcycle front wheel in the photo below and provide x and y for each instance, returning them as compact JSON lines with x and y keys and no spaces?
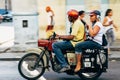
{"x":27,"y":66}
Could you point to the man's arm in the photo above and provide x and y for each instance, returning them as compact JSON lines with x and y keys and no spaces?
{"x":116,"y":28}
{"x":94,"y":31}
{"x":66,"y":37}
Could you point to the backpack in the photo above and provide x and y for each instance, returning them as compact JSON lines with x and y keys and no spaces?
{"x":104,"y":40}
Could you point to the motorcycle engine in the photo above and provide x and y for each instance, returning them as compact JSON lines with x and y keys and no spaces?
{"x":71,"y":57}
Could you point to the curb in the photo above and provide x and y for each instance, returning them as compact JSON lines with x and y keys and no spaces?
{"x":9,"y":49}
{"x":17,"y":59}
{"x":115,"y":49}
{"x":10,"y":59}
{"x":116,"y":59}
{"x":5,"y":50}
{"x":19,"y":55}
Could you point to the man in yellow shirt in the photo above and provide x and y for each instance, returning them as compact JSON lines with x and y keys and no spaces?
{"x":76,"y":36}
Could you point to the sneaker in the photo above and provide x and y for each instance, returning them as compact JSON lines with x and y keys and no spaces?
{"x":64,"y":68}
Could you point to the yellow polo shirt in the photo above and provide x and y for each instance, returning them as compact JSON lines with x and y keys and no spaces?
{"x":78,"y":32}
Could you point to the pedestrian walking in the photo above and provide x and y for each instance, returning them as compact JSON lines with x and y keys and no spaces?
{"x":109,"y":25}
{"x":50,"y":25}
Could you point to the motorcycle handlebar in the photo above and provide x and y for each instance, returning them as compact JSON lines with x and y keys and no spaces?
{"x":53,"y":36}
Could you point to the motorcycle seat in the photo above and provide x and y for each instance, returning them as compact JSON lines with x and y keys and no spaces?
{"x":70,"y":51}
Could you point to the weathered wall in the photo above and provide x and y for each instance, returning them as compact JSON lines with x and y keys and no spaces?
{"x":115,"y":6}
{"x":25,"y":11}
{"x":2,"y":4}
{"x":59,"y":8}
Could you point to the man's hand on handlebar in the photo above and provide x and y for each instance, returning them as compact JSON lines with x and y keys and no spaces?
{"x":54,"y":36}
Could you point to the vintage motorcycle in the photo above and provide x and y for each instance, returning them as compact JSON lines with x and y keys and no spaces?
{"x":33,"y":65}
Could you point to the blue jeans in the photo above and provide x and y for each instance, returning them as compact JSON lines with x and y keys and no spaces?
{"x":110,"y":37}
{"x":58,"y":47}
{"x":86,"y":45}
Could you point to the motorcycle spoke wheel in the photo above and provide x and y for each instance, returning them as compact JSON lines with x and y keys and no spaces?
{"x":27,"y":66}
{"x":90,"y":75}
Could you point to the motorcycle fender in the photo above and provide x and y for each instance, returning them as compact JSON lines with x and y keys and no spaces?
{"x":37,"y":51}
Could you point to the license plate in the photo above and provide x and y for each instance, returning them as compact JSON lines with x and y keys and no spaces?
{"x":87,"y":64}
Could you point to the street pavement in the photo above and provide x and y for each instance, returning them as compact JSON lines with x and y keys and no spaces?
{"x":9,"y":71}
{"x":112,"y":73}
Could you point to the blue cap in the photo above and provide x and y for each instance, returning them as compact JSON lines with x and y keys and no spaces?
{"x":95,"y":12}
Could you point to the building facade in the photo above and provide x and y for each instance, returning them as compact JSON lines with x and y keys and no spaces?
{"x":61,"y":7}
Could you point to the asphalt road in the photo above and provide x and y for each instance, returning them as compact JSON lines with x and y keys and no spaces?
{"x":9,"y":71}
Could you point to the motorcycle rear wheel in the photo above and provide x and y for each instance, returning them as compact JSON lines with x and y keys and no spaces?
{"x":90,"y":76}
{"x":26,"y":67}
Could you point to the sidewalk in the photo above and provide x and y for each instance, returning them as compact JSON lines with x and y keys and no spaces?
{"x":11,"y":56}
{"x":6,"y":54}
{"x":115,"y":55}
{"x":15,"y":56}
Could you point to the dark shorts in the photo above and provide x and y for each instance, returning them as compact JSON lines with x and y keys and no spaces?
{"x":49,"y":27}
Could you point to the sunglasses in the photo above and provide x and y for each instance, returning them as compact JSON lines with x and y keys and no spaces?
{"x":91,"y":15}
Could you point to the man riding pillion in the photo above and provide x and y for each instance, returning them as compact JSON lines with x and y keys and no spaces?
{"x":76,"y":36}
{"x":95,"y":32}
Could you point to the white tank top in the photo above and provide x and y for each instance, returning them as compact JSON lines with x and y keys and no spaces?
{"x":98,"y":37}
{"x":49,"y":14}
{"x":108,"y":27}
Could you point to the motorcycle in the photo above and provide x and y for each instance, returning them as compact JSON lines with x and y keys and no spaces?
{"x":94,"y":61}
